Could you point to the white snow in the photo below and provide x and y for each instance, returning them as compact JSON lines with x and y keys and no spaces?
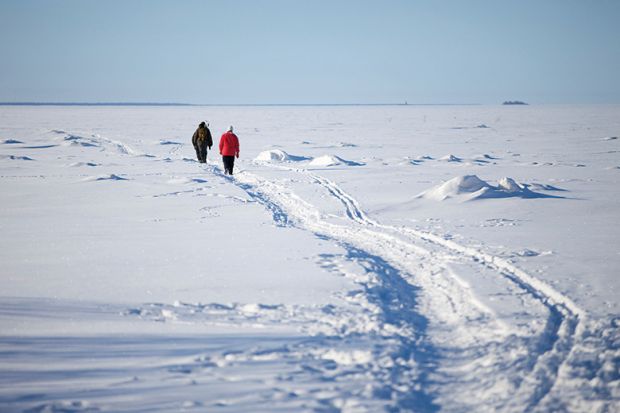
{"x":136,"y":279}
{"x":470,"y":187}
{"x":273,"y":155}
{"x":331,"y":160}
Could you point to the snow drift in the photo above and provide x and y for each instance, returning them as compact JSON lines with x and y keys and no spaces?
{"x":470,"y":187}
{"x":278,"y":155}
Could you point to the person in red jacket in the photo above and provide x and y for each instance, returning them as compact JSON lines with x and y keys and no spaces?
{"x":229,"y":149}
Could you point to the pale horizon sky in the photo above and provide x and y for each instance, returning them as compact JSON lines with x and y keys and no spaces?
{"x":277,"y":51}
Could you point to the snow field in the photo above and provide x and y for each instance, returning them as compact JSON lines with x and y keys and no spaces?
{"x":300,"y":287}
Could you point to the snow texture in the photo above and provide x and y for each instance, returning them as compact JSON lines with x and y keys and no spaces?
{"x":136,"y":279}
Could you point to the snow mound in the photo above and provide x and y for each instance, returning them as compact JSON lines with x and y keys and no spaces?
{"x":450,"y":158}
{"x":75,"y":140}
{"x":273,"y":155}
{"x":332,"y":160}
{"x":79,"y":164}
{"x":470,"y":187}
{"x":166,"y":142}
{"x":468,"y":184}
{"x":16,"y":158}
{"x":11,"y":141}
{"x":110,"y":177}
{"x":510,"y":186}
{"x":419,"y":159}
{"x":278,"y":155}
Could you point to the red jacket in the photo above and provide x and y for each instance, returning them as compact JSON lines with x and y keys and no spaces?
{"x":229,"y":144}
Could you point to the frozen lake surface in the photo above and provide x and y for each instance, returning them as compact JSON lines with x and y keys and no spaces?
{"x":361,"y":259}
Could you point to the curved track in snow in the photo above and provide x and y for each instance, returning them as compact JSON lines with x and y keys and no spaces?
{"x":488,"y":363}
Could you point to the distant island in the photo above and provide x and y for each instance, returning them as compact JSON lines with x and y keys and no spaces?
{"x":514,"y":102}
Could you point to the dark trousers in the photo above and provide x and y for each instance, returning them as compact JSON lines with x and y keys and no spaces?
{"x":229,"y":163}
{"x":201,"y":151}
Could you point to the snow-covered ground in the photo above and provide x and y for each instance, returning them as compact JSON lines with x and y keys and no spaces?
{"x":387,"y":258}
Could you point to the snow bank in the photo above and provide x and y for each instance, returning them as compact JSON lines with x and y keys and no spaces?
{"x":332,"y":160}
{"x":470,"y":187}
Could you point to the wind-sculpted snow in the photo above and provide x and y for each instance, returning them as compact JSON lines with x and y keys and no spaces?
{"x":278,"y":155}
{"x":470,"y":187}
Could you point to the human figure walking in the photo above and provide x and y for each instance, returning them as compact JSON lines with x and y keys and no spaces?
{"x":229,"y":149}
{"x":201,"y":140}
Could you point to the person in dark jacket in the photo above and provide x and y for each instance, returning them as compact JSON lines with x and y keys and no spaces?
{"x":202,"y":140}
{"x":229,"y":149}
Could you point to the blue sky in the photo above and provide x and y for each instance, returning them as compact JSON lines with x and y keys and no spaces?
{"x":310,"y":51}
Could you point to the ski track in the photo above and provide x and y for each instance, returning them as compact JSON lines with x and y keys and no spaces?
{"x":558,"y":336}
{"x":536,"y":376}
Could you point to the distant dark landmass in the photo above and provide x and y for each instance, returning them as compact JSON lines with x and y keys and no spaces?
{"x":514,"y":102}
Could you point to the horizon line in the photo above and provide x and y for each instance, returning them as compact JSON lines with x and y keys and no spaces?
{"x":223,"y":104}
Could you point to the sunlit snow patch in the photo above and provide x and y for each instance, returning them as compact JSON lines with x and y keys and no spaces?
{"x":186,"y":180}
{"x":332,"y":160}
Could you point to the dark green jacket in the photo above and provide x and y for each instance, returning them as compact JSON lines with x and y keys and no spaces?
{"x":202,"y":136}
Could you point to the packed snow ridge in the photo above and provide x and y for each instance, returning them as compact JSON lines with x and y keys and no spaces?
{"x":470,"y":187}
